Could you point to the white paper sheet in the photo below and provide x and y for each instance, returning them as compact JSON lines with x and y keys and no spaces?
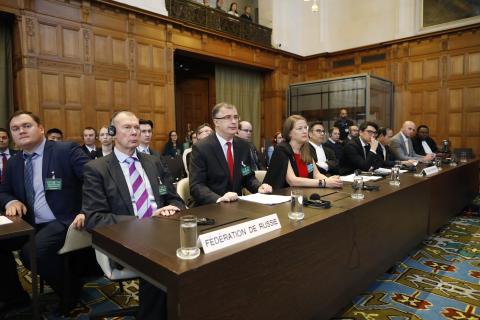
{"x":349,"y":178}
{"x":4,"y":220}
{"x":265,"y":198}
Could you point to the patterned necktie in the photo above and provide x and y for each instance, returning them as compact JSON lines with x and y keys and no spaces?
{"x":139,"y":189}
{"x":28,"y":177}
{"x":230,"y":159}
{"x":367,"y":150}
{"x":4,"y":167}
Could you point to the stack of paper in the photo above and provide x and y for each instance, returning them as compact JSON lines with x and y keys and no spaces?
{"x":265,"y":198}
{"x":349,"y":178}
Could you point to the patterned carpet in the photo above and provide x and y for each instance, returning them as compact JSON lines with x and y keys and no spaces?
{"x":439,"y":280}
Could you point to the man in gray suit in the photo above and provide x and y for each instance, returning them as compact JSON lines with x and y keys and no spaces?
{"x":127,"y":184}
{"x":402,"y":147}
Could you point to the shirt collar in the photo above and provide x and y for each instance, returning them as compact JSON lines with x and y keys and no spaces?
{"x":223,"y":141}
{"x":363,"y":143}
{"x":316,"y":146}
{"x":6,"y":152}
{"x":122,"y":156}
{"x":404,"y":137}
{"x":144,"y":149}
{"x":331,"y":140}
{"x":39,"y":149}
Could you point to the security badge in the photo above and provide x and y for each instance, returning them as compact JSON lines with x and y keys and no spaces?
{"x":162,"y":189}
{"x":310,"y":167}
{"x":53,"y":183}
{"x":245,"y":170}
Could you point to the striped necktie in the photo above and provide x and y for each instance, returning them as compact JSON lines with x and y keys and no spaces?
{"x":28,"y":179}
{"x":139,"y":189}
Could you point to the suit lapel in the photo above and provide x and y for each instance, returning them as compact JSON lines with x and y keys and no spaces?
{"x":150,"y":171}
{"x":237,"y":162}
{"x":47,"y":156}
{"x":115,"y":171}
{"x":218,"y":151}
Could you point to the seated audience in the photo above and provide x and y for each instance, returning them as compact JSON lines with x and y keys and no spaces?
{"x":334,"y":143}
{"x":360,"y":153}
{"x":245,"y":131}
{"x":172,"y":148}
{"x":187,"y":153}
{"x":219,"y":5}
{"x":55,"y":134}
{"x":423,"y":144}
{"x":106,"y":142}
{"x":277,"y":138}
{"x":402,"y":146}
{"x":383,"y":149}
{"x":5,"y":153}
{"x":324,"y":157}
{"x":343,"y":124}
{"x":247,"y":13}
{"x":89,"y":137}
{"x":47,"y":208}
{"x":233,"y":9}
{"x":126,"y":185}
{"x":206,"y":3}
{"x":292,"y":163}
{"x":146,"y":133}
{"x":352,"y":133}
{"x":203,"y":131}
{"x":221,"y":164}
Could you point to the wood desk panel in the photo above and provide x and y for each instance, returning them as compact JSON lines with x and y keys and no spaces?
{"x":306,"y":270}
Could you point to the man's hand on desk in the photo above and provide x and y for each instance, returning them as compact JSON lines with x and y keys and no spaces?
{"x":79,"y":221}
{"x":409,"y":162}
{"x":15,"y":208}
{"x":265,"y":188}
{"x":228,"y":197}
{"x":166,"y":211}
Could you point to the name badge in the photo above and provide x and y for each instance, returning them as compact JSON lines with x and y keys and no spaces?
{"x":310,"y":167}
{"x":162,"y":190}
{"x":246,"y":170}
{"x":429,"y":171}
{"x":53,"y":184}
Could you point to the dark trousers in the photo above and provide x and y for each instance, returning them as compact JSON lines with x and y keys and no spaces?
{"x":153,"y":302}
{"x":49,"y":238}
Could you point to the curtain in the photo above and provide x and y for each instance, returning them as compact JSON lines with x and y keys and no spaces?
{"x":6,"y":69}
{"x":242,"y":88}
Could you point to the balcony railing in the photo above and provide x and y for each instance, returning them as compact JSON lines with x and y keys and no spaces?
{"x":219,"y":21}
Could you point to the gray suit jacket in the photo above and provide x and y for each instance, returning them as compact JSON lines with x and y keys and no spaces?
{"x":397,"y":145}
{"x":106,"y":198}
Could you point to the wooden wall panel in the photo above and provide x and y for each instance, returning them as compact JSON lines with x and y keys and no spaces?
{"x":474,"y":62}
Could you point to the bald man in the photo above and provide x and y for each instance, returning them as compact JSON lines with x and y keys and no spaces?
{"x":402,"y":147}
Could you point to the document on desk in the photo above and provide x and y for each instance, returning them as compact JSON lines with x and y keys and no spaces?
{"x":5,"y":220}
{"x":268,"y":199}
{"x":349,"y":178}
{"x":386,"y":170}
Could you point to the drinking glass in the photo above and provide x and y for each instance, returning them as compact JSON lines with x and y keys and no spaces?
{"x":357,"y":187}
{"x":188,"y":238}
{"x":296,"y":205}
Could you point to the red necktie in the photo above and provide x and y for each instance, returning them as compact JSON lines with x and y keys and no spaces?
{"x":230,"y":159}
{"x":4,"y":166}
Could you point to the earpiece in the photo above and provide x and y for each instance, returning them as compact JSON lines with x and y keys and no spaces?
{"x":111,"y":130}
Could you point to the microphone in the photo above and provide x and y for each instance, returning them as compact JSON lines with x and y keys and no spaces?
{"x":315,"y":201}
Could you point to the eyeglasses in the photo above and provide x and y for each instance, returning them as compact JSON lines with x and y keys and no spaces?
{"x":371,"y":132}
{"x":229,"y":117}
{"x":246,"y":130}
{"x":320,"y":131}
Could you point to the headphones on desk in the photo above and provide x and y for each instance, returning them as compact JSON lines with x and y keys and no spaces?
{"x":316,"y":202}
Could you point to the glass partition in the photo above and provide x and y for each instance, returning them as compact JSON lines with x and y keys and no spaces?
{"x":364,"y":96}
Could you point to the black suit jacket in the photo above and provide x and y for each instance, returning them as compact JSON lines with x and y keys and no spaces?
{"x":417,"y":145}
{"x":67,"y":160}
{"x":209,"y":175}
{"x":343,"y":126}
{"x":389,"y":160}
{"x":353,"y":158}
{"x":91,"y":155}
{"x":331,"y":160}
{"x":337,"y":149}
{"x":106,"y":198}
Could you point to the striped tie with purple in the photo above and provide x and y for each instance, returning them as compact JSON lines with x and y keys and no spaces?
{"x":139,"y":189}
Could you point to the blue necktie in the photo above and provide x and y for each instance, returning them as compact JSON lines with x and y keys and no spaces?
{"x":28,"y":177}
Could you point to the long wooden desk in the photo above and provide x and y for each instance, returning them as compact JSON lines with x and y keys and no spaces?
{"x":305,"y":270}
{"x":20,"y":228}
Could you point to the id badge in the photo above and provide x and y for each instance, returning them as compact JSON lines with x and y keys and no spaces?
{"x":53,"y":184}
{"x":162,"y":190}
{"x":246,"y":171}
{"x":310,"y":167}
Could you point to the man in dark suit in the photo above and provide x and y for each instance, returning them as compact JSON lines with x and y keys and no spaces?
{"x":146,"y":132}
{"x":43,"y":186}
{"x":383,"y":150}
{"x":221,"y":164}
{"x":422,"y":143}
{"x":361,"y":152}
{"x":334,"y":143}
{"x":343,"y":124}
{"x":89,"y":137}
{"x":127,"y":184}
{"x":245,"y":131}
{"x":324,"y":157}
{"x":5,"y":152}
